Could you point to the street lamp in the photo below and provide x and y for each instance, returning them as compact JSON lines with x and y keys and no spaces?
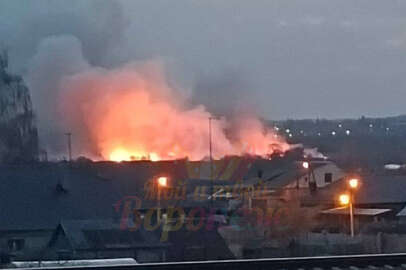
{"x":348,"y":199}
{"x":211,"y":158}
{"x":310,"y":176}
{"x":353,"y":183}
{"x":305,"y":164}
{"x":345,"y":199}
{"x":162,"y":182}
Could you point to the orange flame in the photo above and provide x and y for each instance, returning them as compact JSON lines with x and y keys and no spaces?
{"x":132,"y":114}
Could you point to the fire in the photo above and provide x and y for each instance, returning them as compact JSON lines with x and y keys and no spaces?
{"x":121,"y":154}
{"x":133,"y":114}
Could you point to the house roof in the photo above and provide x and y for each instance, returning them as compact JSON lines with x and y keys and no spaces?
{"x":382,"y":189}
{"x":187,"y":239}
{"x":39,"y":196}
{"x":278,"y":173}
{"x":402,"y":213}
{"x":105,"y":234}
{"x":374,"y":189}
{"x":31,"y":198}
{"x":357,"y":211}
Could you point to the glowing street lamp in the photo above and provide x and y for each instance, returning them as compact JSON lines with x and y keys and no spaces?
{"x":162,"y":182}
{"x":312,"y":184}
{"x":305,"y":164}
{"x":348,"y":199}
{"x":353,"y":183}
{"x":344,"y":199}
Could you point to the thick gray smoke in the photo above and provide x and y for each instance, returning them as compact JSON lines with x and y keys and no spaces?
{"x":48,"y":40}
{"x":279,"y":59}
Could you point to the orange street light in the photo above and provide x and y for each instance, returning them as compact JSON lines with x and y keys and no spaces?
{"x":163,"y":181}
{"x":353,"y":183}
{"x":344,"y":199}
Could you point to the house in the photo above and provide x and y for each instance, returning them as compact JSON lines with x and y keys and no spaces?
{"x":200,"y":244}
{"x":284,"y":179}
{"x":286,"y":174}
{"x":103,"y":239}
{"x":38,"y":198}
{"x":380,"y":198}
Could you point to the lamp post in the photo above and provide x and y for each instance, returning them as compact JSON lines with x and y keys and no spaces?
{"x":345,"y":199}
{"x":348,"y":199}
{"x":310,"y":176}
{"x":353,"y":184}
{"x":211,"y":160}
{"x":162,"y":182}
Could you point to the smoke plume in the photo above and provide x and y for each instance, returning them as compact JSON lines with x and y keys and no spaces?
{"x":132,"y":112}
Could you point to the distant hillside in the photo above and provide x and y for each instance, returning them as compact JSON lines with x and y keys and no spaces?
{"x":18,"y":133}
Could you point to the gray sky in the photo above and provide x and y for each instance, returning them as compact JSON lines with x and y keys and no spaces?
{"x":284,"y":59}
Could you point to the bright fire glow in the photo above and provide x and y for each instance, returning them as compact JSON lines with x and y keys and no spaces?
{"x":133,"y":114}
{"x":119,"y":155}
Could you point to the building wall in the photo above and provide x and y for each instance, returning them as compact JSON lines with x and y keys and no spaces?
{"x":319,"y":174}
{"x":34,"y":243}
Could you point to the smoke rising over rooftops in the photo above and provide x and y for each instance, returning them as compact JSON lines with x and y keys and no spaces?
{"x":276,"y":59}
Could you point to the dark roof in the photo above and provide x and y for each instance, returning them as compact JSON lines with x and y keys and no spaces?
{"x":185,"y":240}
{"x":374,"y":189}
{"x":278,"y":173}
{"x":31,"y":198}
{"x":105,"y":234}
{"x":382,"y":189}
{"x":40,"y":195}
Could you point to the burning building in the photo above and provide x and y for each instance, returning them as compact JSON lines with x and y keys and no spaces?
{"x":132,"y":113}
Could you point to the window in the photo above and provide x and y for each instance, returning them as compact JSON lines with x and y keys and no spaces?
{"x":328,"y":177}
{"x":15,"y":244}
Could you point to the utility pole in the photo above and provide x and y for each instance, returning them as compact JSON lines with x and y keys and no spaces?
{"x":69,"y":135}
{"x":351,"y":215}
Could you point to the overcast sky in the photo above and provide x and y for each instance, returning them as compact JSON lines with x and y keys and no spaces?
{"x":283,"y":59}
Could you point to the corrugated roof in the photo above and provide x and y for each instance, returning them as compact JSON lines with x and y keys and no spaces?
{"x":357,"y":211}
